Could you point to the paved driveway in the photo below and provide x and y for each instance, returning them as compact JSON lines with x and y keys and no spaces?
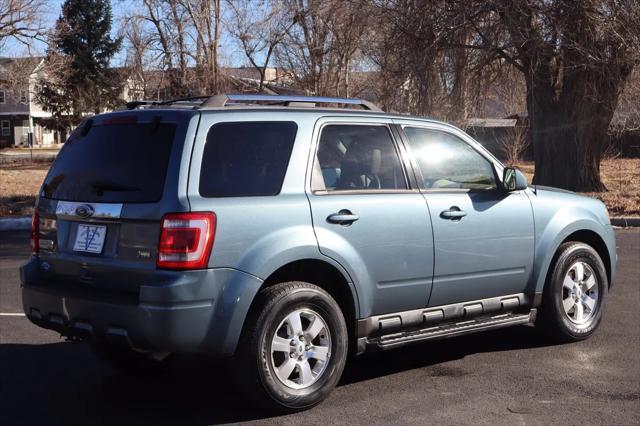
{"x":508,"y":376}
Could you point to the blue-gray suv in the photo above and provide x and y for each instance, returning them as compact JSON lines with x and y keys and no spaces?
{"x":290,"y":232}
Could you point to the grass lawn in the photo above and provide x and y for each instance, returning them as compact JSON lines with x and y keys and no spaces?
{"x":19,"y":184}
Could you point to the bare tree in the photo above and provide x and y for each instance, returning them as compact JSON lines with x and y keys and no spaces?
{"x":321,"y":44}
{"x":206,"y":19}
{"x":307,"y":43}
{"x":575,"y":58}
{"x":178,"y":22}
{"x":155,"y":10}
{"x":140,"y":61}
{"x":259,"y":26}
{"x":514,"y":143}
{"x":408,"y":51}
{"x":627,"y":114}
{"x":21,"y":20}
{"x":180,"y":40}
{"x":421,"y":68}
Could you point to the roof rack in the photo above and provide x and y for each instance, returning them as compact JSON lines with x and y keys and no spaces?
{"x":188,"y":101}
{"x":223,"y":100}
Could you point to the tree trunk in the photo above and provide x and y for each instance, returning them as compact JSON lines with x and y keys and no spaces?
{"x":566,"y":153}
{"x":569,"y":128}
{"x":216,"y":33}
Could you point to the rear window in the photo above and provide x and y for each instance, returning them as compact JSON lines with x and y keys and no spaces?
{"x":246,"y":158}
{"x":114,"y":163}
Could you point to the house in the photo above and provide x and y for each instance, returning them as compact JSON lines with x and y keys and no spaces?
{"x":155,"y":84}
{"x":499,"y":135}
{"x":23,"y":121}
{"x":21,"y":118}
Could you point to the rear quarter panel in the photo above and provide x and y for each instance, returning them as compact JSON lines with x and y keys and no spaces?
{"x":260,"y":234}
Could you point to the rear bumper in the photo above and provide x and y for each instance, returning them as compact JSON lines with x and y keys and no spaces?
{"x":196,"y":311}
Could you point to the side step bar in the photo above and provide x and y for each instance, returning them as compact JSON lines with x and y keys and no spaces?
{"x":450,"y":330}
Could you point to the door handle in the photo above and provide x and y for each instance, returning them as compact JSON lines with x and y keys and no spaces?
{"x":343,"y":217}
{"x":454,"y":213}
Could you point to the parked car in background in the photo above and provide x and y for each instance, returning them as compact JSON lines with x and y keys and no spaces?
{"x":288,"y":233}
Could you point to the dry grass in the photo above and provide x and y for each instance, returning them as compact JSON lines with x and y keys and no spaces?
{"x":621,"y":176}
{"x":19,"y":184}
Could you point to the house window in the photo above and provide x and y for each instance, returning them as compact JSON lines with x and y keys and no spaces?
{"x":24,"y":96}
{"x":2,"y":96}
{"x":6,"y":127}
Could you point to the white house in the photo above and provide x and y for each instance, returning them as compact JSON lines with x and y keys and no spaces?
{"x":20,"y":115}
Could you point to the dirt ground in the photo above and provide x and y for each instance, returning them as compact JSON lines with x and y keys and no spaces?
{"x":20,"y":182}
{"x":621,"y":176}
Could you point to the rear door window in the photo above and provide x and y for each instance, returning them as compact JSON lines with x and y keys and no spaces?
{"x":246,"y":158}
{"x":357,"y":158}
{"x":112,"y":163}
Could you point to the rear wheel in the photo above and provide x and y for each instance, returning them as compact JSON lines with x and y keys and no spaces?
{"x":574,"y":293}
{"x":294,"y":347}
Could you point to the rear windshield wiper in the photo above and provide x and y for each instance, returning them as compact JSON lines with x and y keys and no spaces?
{"x":103,"y":186}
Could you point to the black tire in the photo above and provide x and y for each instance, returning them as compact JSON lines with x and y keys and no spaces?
{"x":254,"y":363}
{"x":127,"y":360}
{"x":557,"y":323}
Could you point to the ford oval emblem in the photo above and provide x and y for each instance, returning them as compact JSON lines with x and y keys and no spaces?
{"x":85,"y":210}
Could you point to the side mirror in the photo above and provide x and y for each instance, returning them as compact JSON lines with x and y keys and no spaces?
{"x":513,"y":180}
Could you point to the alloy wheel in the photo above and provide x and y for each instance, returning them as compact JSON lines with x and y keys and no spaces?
{"x":300,"y":348}
{"x":580,"y":293}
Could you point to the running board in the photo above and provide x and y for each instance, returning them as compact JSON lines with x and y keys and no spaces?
{"x":450,"y":330}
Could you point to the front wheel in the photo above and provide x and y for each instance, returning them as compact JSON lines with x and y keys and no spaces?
{"x":293,"y":348}
{"x":574,"y":293}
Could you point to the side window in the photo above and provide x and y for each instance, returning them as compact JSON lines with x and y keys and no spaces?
{"x":246,"y":158}
{"x":357,"y":157}
{"x":448,"y":162}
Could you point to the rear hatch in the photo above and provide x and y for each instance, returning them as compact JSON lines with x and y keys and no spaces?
{"x":102,"y":202}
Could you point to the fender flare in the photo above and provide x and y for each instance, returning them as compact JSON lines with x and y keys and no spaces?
{"x":561,"y":226}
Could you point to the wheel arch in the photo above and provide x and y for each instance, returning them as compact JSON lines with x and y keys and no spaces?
{"x":326,"y":276}
{"x":595,"y":241}
{"x":584,"y":234}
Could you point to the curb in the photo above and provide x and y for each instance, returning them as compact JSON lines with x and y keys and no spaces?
{"x":625,"y":221}
{"x":24,"y":223}
{"x":15,"y":223}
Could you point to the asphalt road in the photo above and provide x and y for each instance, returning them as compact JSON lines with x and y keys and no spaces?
{"x":509,"y":376}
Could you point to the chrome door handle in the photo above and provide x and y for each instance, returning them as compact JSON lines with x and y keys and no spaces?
{"x":454,"y":213}
{"x":343,"y":217}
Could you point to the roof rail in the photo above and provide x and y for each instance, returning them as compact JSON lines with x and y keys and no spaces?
{"x":223,"y":100}
{"x":189,"y":101}
{"x":138,"y":104}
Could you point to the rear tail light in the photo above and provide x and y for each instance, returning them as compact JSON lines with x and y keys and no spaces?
{"x":35,"y":231}
{"x":186,"y":240}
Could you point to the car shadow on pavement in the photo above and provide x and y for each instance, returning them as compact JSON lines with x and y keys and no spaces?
{"x":433,"y":354}
{"x":64,"y":383}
